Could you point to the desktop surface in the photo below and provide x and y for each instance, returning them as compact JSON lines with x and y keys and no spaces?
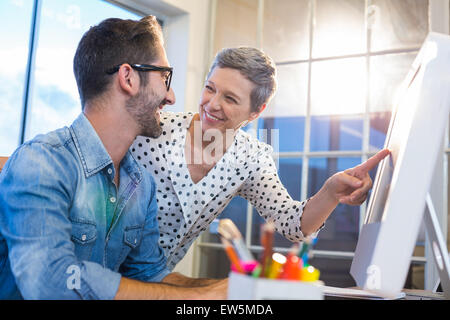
{"x":355,"y":293}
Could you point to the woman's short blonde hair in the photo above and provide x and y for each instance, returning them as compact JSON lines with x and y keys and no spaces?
{"x":255,"y":66}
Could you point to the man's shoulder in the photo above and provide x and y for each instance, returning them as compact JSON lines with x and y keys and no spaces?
{"x":50,"y":148}
{"x":52,"y":140}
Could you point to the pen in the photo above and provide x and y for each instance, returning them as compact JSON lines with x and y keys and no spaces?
{"x":232,"y":255}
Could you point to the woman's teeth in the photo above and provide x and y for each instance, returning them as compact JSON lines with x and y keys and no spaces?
{"x":212,"y":117}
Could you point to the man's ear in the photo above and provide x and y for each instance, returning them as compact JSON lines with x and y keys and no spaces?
{"x":129,"y":81}
{"x":254,"y":115}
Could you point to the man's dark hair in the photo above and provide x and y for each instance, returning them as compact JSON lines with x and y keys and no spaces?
{"x":113,"y":42}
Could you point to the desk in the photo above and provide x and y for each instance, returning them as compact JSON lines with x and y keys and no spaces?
{"x":410,"y":294}
{"x":2,"y":162}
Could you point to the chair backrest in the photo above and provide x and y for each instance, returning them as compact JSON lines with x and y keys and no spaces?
{"x":2,"y":162}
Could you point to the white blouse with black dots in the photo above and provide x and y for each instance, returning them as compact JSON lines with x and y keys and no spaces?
{"x":185,"y":209}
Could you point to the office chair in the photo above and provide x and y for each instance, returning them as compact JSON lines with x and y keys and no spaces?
{"x":2,"y":162}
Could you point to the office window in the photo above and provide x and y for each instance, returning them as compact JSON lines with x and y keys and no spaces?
{"x":281,"y":41}
{"x":386,"y":73}
{"x":55,"y":101}
{"x":342,"y":227}
{"x":339,"y":28}
{"x":15,"y":21}
{"x":53,"y":95}
{"x":339,"y":66}
{"x":387,"y":33}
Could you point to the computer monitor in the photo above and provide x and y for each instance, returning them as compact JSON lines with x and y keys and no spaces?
{"x":398,"y":200}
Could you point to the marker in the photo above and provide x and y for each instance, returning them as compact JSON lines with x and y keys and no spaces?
{"x":267,"y":231}
{"x":278,"y":260}
{"x":229,"y":231}
{"x":257,"y":271}
{"x":309,"y":273}
{"x":307,"y":245}
{"x":293,"y":267}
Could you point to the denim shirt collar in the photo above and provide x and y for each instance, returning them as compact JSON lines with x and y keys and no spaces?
{"x":91,"y":150}
{"x":93,"y":154}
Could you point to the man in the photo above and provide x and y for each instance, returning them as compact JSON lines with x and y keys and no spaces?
{"x":77,"y":213}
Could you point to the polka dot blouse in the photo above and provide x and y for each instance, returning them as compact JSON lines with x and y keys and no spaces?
{"x":186,"y":209}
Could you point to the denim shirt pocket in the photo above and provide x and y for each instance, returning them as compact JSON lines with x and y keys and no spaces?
{"x":84,"y":235}
{"x":132,"y":236}
{"x":131,"y":239}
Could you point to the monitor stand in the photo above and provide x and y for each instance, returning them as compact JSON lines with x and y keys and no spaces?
{"x":438,"y":245}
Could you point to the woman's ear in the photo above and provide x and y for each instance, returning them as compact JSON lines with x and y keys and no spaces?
{"x":256,"y":114}
{"x":128,"y":80}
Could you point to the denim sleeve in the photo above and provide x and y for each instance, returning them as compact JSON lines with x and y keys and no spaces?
{"x":147,"y":262}
{"x":35,"y":197}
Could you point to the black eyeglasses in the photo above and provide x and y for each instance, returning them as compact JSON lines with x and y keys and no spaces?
{"x":147,"y":67}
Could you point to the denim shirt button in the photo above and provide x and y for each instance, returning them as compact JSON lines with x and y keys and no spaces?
{"x":112,"y":199}
{"x":83,"y":237}
{"x":109,"y":171}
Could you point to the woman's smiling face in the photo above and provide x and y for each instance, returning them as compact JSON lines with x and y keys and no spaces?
{"x":225,"y":100}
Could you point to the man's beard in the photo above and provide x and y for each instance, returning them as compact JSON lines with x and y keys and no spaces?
{"x":143,"y":108}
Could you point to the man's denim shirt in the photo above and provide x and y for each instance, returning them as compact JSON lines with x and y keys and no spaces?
{"x":56,"y":194}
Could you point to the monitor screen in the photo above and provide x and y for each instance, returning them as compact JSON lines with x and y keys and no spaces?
{"x":395,"y":209}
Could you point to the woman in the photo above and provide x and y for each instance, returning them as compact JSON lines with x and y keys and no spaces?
{"x":202,"y":160}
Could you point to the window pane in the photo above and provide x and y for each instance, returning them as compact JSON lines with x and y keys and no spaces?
{"x":339,"y":28}
{"x":332,"y":133}
{"x":290,"y":173}
{"x":286,"y":29}
{"x":398,"y":24}
{"x":289,"y":131}
{"x":292,"y":92}
{"x":338,"y":87}
{"x":387,"y":72}
{"x":15,"y":23}
{"x":342,"y":227}
{"x":55,"y":99}
{"x":214,"y":263}
{"x":235,"y":24}
{"x":237,"y":212}
{"x":379,"y":125}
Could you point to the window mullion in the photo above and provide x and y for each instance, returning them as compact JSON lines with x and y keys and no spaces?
{"x":29,"y":72}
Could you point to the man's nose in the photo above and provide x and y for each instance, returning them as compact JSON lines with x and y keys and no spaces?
{"x":170,"y":97}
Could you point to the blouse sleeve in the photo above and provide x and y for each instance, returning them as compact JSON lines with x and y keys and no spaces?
{"x":267,"y":194}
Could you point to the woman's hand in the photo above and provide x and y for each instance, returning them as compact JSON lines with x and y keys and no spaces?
{"x":352,"y":185}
